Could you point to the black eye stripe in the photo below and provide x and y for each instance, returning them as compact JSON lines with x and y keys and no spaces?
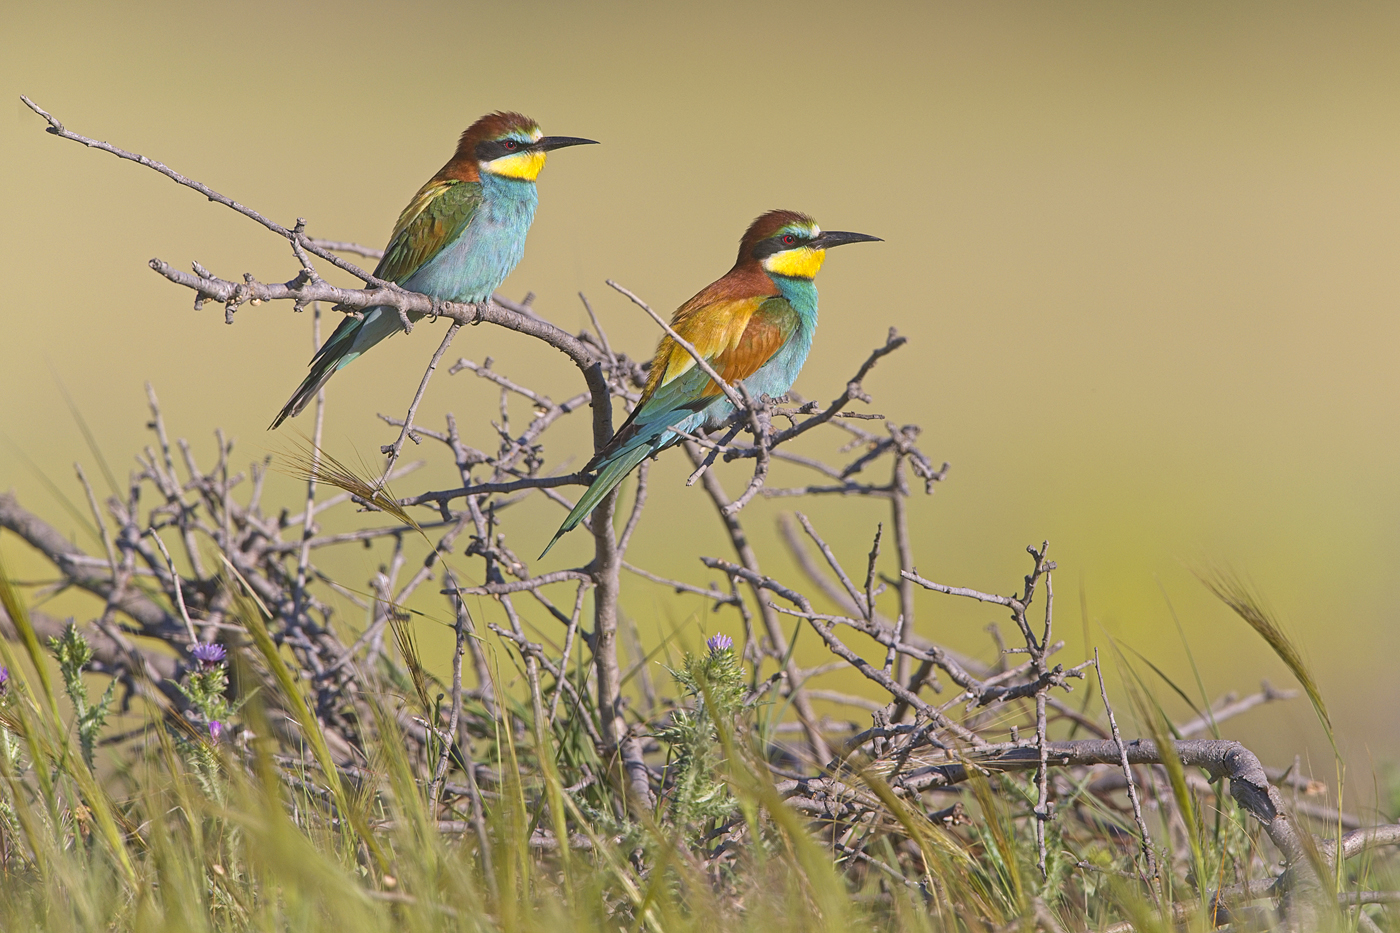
{"x":490,"y":149}
{"x":775,"y":244}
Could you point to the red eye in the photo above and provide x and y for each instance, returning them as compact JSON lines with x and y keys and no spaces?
{"x":512,"y":145}
{"x":789,"y":239}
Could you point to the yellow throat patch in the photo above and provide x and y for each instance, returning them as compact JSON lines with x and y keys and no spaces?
{"x":524,"y":166}
{"x":800,"y":263}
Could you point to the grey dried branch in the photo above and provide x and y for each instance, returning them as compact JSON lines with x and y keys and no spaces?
{"x":479,"y":489}
{"x":760,"y":426}
{"x":179,"y":596}
{"x":1360,"y":840}
{"x":1249,"y":784}
{"x":97,"y":518}
{"x":959,"y":669}
{"x":976,"y":692}
{"x":1234,"y":707}
{"x":340,"y":246}
{"x":57,"y":129}
{"x":460,"y":629}
{"x":639,"y":500}
{"x":308,"y":528}
{"x":391,"y":451}
{"x":857,"y":597}
{"x":715,"y":451}
{"x":720,"y":598}
{"x":522,"y":586}
{"x":78,"y":568}
{"x":527,"y":647}
{"x":900,"y":518}
{"x":958,"y":590}
{"x":1143,"y":835}
{"x":823,"y":629}
{"x":598,"y":329}
{"x":150,"y":673}
{"x":569,"y":635}
{"x":814,"y":573}
{"x":497,"y":311}
{"x":810,"y":463}
{"x":485,"y":371}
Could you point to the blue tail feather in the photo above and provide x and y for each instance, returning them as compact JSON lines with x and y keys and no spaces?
{"x":352,"y":338}
{"x":647,"y":431}
{"x":611,"y":473}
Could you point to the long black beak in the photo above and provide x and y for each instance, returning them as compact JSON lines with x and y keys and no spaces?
{"x":545,"y":144}
{"x":830,"y":238}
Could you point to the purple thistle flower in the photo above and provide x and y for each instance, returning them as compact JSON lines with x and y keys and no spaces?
{"x":208,"y":656}
{"x":216,"y":729}
{"x":4,"y":678}
{"x":720,"y":642}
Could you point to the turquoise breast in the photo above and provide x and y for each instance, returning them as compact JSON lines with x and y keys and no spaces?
{"x":473,"y":266}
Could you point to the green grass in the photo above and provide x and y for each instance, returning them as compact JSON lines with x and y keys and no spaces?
{"x":265,"y":831}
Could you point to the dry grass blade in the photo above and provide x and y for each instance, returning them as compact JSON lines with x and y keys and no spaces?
{"x":1234,"y":593}
{"x":1002,"y":835}
{"x":938,"y":850}
{"x":408,"y":647}
{"x":312,"y":463}
{"x":1150,"y":713}
{"x":251,"y":612}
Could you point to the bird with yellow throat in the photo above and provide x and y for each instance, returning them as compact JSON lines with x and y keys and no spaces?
{"x":457,"y":240}
{"x":753,"y":326}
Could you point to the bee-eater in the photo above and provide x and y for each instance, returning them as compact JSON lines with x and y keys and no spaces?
{"x":460,"y":236}
{"x":753,"y":326}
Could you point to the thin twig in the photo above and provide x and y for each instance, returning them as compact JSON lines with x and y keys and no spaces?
{"x":460,"y":630}
{"x":569,"y":636}
{"x":758,"y":425}
{"x":393,"y":450}
{"x":598,"y":329}
{"x":853,"y":390}
{"x":308,"y":523}
{"x":179,"y":592}
{"x":1143,"y":835}
{"x":57,"y":129}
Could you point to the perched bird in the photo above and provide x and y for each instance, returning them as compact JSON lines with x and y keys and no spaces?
{"x":753,"y":326}
{"x":460,"y":236}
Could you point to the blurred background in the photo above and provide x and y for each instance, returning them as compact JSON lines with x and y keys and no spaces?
{"x":1146,"y":259}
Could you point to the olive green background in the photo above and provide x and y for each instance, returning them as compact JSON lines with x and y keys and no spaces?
{"x":1146,"y":256}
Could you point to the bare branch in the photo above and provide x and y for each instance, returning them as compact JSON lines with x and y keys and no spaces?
{"x":1144,"y":836}
{"x":760,"y":427}
{"x":391,"y":451}
{"x":1231,"y":708}
{"x":339,"y":246}
{"x":57,"y":129}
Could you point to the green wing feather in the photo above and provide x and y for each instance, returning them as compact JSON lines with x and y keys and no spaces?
{"x":434,"y":218}
{"x":437,"y":214}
